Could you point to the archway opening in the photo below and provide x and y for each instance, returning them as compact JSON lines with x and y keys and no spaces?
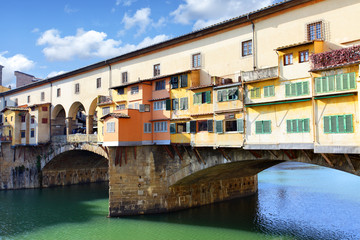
{"x":58,"y":125}
{"x":77,"y":119}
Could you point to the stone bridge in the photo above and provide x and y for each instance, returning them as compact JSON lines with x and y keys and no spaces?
{"x":153,"y":179}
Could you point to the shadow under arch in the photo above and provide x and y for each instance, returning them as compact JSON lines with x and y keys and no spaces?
{"x":58,"y":123}
{"x":75,"y":167}
{"x":76,"y":119}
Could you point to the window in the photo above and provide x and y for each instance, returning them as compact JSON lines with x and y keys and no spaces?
{"x":246,"y":48}
{"x":255,"y":93}
{"x":263,"y":127}
{"x":58,"y":92}
{"x":134,"y":90}
{"x":160,"y":127}
{"x":42,"y":96}
{"x":288,"y":59}
{"x":304,"y":56}
{"x":98,"y":83}
{"x":338,"y":124}
{"x":105,"y":111}
{"x":174,"y":82}
{"x":231,"y":126}
{"x":124,"y":77}
{"x":32,"y":119}
{"x":202,"y":97}
{"x":147,"y":127}
{"x":298,"y":125}
{"x":23,"y":118}
{"x":160,"y":85}
{"x":184,"y":103}
{"x":23,"y":134}
{"x":196,"y":60}
{"x":192,"y":127}
{"x":227,"y":94}
{"x":345,"y":81}
{"x":314,"y":31}
{"x":144,"y":108}
{"x":32,"y":133}
{"x":181,"y":127}
{"x":44,"y":120}
{"x":136,"y":105}
{"x":175,"y":104}
{"x":131,"y":106}
{"x":5,"y":119}
{"x":77,"y":87}
{"x":269,"y":91}
{"x":296,"y":89}
{"x":16,"y":102}
{"x":156,"y":70}
{"x":44,"y":109}
{"x":202,"y":125}
{"x":219,"y":126}
{"x":183,"y":80}
{"x":120,"y":107}
{"x":121,"y":91}
{"x":160,"y":105}
{"x":110,"y":127}
{"x":28,"y":99}
{"x":172,"y":128}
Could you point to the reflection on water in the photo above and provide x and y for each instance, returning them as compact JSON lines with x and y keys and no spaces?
{"x":295,"y":201}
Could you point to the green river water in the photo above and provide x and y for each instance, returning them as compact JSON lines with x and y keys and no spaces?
{"x":294,"y":201}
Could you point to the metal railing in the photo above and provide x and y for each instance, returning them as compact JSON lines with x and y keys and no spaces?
{"x":73,"y":138}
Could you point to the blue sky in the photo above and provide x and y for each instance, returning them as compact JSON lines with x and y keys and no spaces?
{"x":46,"y":37}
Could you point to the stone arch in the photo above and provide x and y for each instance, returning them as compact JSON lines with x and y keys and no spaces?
{"x":91,"y":121}
{"x":58,"y":120}
{"x":76,"y":120}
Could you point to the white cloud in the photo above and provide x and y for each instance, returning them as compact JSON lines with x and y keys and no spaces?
{"x":69,"y":10}
{"x":35,"y":30}
{"x":87,"y":44}
{"x":126,"y":3}
{"x":55,"y":73}
{"x":17,"y":62}
{"x":214,"y":11}
{"x":141,"y":19}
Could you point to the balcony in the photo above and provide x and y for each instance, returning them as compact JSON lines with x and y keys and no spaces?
{"x":104,"y":100}
{"x":335,"y":58}
{"x":260,"y":74}
{"x":5,"y":138}
{"x":75,"y":138}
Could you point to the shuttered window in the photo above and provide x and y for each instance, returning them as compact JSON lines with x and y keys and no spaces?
{"x":227,"y":94}
{"x":183,"y":80}
{"x":172,"y":128}
{"x":296,"y":89}
{"x":147,"y":127}
{"x":255,"y":93}
{"x":110,"y":127}
{"x":174,"y":82}
{"x":263,"y":127}
{"x":269,"y":91}
{"x":338,"y":124}
{"x":202,"y":97}
{"x":184,"y":103}
{"x":210,"y":125}
{"x":240,"y":125}
{"x":192,"y":126}
{"x":340,"y":82}
{"x":175,"y":104}
{"x":219,"y":126}
{"x":168,"y":104}
{"x":298,"y":125}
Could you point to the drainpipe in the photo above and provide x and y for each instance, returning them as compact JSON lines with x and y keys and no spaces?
{"x":50,"y":110}
{"x":110,"y":80}
{"x":253,"y":42}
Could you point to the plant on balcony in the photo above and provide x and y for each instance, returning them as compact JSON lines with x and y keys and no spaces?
{"x":335,"y":57}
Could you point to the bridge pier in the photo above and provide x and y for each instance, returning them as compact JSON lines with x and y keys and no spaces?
{"x":142,"y":180}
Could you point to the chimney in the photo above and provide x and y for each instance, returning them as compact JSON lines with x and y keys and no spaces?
{"x":1,"y":67}
{"x":23,"y":79}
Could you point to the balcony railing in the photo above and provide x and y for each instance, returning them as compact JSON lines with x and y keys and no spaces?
{"x":73,"y":138}
{"x":5,"y":138}
{"x":260,"y":74}
{"x":104,"y":99}
{"x":335,"y":58}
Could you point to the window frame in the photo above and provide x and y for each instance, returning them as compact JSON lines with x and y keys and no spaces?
{"x":110,"y":127}
{"x":313,"y":34}
{"x":147,"y":127}
{"x":134,"y":90}
{"x":269,"y":91}
{"x":293,"y":125}
{"x":160,"y":126}
{"x":305,"y":57}
{"x":246,"y":48}
{"x":98,"y":83}
{"x":196,"y":60}
{"x":28,"y":99}
{"x":23,"y":134}
{"x":58,"y":92}
{"x":159,"y":105}
{"x":42,"y":96}
{"x":77,"y":88}
{"x":156,"y":70}
{"x":262,"y":130}
{"x":329,"y":118}
{"x":32,"y":132}
{"x":124,"y":77}
{"x":160,"y":85}
{"x":288,"y":59}
{"x":202,"y":125}
{"x":255,"y":92}
{"x":105,"y":111}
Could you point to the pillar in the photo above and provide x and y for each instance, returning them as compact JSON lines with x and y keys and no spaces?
{"x":69,"y":125}
{"x":89,"y":124}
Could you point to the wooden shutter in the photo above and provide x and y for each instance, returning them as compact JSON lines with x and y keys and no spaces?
{"x":267,"y":126}
{"x":192,"y":126}
{"x":219,"y":96}
{"x":287,"y":90}
{"x":219,"y":126}
{"x":333,"y":124}
{"x":318,"y":85}
{"x":266,"y":91}
{"x":172,"y":128}
{"x":300,"y":124}
{"x":258,"y":127}
{"x":341,"y":123}
{"x":141,"y":108}
{"x":305,"y":87}
{"x":187,"y":127}
{"x":324,"y":84}
{"x":306,"y":125}
{"x":240,"y":125}
{"x":326,"y":124}
{"x":252,"y":93}
{"x":210,"y":125}
{"x":299,"y":91}
{"x":349,"y":123}
{"x":258,"y":93}
{"x":224,"y":95}
{"x":338,"y":79}
{"x":352,"y":80}
{"x":294,"y":125}
{"x":272,"y":90}
{"x":293,"y":89}
{"x":183,"y":81}
{"x":208,"y":97}
{"x":168,"y":104}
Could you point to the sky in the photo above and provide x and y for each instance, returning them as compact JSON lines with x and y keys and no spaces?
{"x":45,"y":38}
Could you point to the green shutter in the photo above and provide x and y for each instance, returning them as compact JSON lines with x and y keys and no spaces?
{"x":299,"y":91}
{"x":349,"y":123}
{"x":258,"y":127}
{"x":197,"y":98}
{"x":324,"y":82}
{"x":240,"y":125}
{"x":345,"y":82}
{"x":341,"y":123}
{"x":300,"y":124}
{"x":210,"y":125}
{"x":306,"y":125}
{"x":219,"y":96}
{"x":186,"y":103}
{"x":258,"y":93}
{"x":224,"y":95}
{"x":267,"y":126}
{"x":287,"y":90}
{"x":192,"y":126}
{"x":266,"y":91}
{"x":352,"y":80}
{"x":187,"y":127}
{"x":293,"y":89}
{"x":318,"y":85}
{"x":306,"y":87}
{"x":219,"y":126}
{"x":288,"y":126}
{"x":338,"y":79}
{"x":252,"y":93}
{"x":272,"y":90}
{"x":168,"y":104}
{"x":333,"y":124}
{"x":172,"y":128}
{"x":208,"y":97}
{"x":326,"y":124}
{"x":294,"y":126}
{"x":183,"y":81}
{"x":331,"y":81}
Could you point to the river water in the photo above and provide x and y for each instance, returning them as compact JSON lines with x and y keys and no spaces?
{"x":294,"y":201}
